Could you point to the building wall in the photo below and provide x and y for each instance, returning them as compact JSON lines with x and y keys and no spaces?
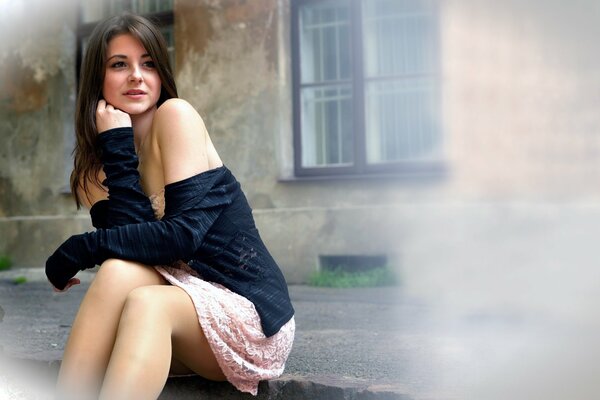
{"x":519,"y":212}
{"x":520,"y":122}
{"x":36,"y":112}
{"x":520,"y":99}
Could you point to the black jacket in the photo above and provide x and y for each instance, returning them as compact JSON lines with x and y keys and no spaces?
{"x":207,"y":223}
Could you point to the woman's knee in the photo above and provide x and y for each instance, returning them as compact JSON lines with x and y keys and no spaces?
{"x":145,"y":308}
{"x":144,"y":299}
{"x":154,"y":301}
{"x":115,"y":272}
{"x":109,"y":270}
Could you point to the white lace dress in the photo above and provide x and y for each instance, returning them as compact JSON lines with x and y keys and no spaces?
{"x":231,"y":325}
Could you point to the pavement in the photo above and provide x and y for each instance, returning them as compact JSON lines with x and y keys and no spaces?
{"x":367,"y":343}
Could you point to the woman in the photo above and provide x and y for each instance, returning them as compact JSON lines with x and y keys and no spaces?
{"x":185,"y":283}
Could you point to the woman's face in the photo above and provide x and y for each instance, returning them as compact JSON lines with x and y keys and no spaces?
{"x":131,"y":81}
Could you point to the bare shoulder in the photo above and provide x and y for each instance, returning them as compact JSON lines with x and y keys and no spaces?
{"x":176,"y":110}
{"x":181,"y":140}
{"x":176,"y":120}
{"x":176,"y":105}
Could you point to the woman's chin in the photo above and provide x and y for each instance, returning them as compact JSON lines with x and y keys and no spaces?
{"x":136,"y":111}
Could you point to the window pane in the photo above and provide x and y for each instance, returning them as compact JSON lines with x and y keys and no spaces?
{"x":325,"y":42}
{"x":401,"y":121}
{"x":167,"y":32}
{"x":117,"y":6}
{"x":398,"y":37}
{"x":152,"y":6}
{"x":92,"y":10}
{"x":327,"y":136}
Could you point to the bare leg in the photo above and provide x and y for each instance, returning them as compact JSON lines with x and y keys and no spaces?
{"x":90,"y":343}
{"x":158,"y":323}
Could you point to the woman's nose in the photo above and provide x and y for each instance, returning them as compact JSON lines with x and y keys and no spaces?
{"x":136,"y":74}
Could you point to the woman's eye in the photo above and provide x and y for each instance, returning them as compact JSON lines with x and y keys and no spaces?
{"x":149,"y":64}
{"x":118,"y":64}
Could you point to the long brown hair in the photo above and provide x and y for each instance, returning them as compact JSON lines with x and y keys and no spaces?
{"x":86,"y":153}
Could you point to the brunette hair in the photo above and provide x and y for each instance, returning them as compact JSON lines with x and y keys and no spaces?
{"x":86,"y":153}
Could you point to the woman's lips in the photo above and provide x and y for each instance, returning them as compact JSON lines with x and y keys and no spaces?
{"x":135,"y":94}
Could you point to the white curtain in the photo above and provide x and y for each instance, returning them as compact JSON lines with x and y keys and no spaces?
{"x":400,"y":91}
{"x":326,"y":93}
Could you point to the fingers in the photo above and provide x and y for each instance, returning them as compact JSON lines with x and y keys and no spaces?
{"x":57,"y":290}
{"x":71,"y":282}
{"x":108,"y":117}
{"x":103,"y":105}
{"x":74,"y":281}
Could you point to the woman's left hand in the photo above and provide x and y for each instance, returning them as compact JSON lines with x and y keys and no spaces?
{"x":70,"y":258}
{"x":71,"y":282}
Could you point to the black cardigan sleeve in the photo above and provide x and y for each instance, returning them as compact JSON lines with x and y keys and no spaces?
{"x":127,"y":203}
{"x":192,"y":206}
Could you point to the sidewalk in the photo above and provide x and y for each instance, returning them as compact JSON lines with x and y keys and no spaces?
{"x":349,"y":342}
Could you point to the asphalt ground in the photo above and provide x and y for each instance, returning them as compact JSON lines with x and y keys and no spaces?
{"x":369,"y":342}
{"x":343,"y":337}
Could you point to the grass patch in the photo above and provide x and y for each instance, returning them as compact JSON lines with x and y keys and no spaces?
{"x":5,"y":262}
{"x":339,"y":278}
{"x":19,"y":280}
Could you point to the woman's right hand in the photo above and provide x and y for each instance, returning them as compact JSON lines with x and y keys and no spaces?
{"x":108,"y":117}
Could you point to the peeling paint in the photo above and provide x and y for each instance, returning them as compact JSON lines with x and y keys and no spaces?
{"x":20,"y":92}
{"x":37,"y":85}
{"x":226,"y":78}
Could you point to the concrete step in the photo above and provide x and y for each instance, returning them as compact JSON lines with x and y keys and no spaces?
{"x":33,"y":380}
{"x":287,"y":387}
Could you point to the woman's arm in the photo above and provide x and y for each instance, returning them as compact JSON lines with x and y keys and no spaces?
{"x":193,"y":206}
{"x":120,"y":200}
{"x":127,"y":203}
{"x":193,"y":203}
{"x":184,"y":148}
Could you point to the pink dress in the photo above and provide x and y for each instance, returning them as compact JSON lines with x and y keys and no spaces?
{"x":231,"y":325}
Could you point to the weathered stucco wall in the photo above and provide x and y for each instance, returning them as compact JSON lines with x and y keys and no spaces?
{"x":521,"y":108}
{"x":520,"y":122}
{"x":522,"y":127}
{"x":37,"y":86}
{"x":227,"y":70}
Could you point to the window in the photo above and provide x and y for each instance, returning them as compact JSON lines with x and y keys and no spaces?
{"x":365,"y":86}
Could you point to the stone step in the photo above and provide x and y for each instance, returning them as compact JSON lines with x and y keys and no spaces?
{"x":34,"y":379}
{"x":287,"y":387}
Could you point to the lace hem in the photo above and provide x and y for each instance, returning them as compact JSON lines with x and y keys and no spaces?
{"x":232,"y":327}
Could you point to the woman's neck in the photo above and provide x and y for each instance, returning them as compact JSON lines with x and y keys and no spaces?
{"x":142,"y":123}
